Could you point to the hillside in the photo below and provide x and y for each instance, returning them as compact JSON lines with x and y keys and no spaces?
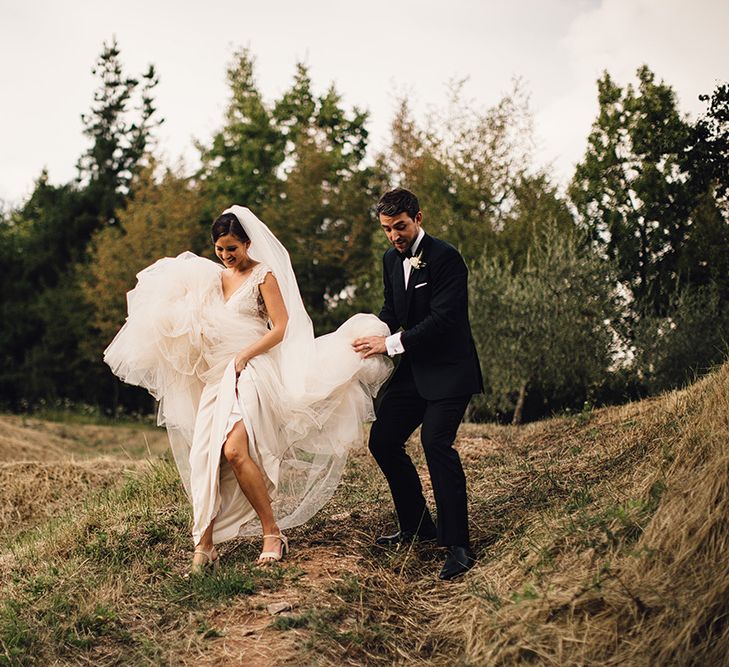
{"x":46,"y":466}
{"x":601,"y":539}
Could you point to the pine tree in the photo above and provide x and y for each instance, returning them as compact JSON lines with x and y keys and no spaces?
{"x":120,"y":133}
{"x":241,"y":164}
{"x":323,"y":213}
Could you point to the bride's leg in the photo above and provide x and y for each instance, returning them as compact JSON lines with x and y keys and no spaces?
{"x":203,"y":547}
{"x":206,"y":539}
{"x":251,"y":482}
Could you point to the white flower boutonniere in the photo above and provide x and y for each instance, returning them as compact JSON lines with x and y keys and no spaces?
{"x":416,"y":262}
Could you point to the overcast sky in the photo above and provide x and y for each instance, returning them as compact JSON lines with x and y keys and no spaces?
{"x":372,"y":51}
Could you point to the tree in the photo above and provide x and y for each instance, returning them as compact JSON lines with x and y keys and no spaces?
{"x":120,"y":134}
{"x":537,"y":209}
{"x":542,"y":329}
{"x":652,"y":192}
{"x":705,"y":260}
{"x":688,"y":341}
{"x":40,"y":240}
{"x":43,"y":308}
{"x":325,"y":221}
{"x":162,"y":219}
{"x":242,"y":162}
{"x":323,"y":214}
{"x":464,"y":165}
{"x":709,"y":155}
{"x":631,"y":189}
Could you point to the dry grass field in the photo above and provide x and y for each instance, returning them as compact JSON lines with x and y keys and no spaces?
{"x":601,"y":538}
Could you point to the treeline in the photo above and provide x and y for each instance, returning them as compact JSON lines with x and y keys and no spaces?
{"x":616,"y":289}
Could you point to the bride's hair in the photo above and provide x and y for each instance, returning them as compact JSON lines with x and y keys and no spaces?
{"x":228,"y":223}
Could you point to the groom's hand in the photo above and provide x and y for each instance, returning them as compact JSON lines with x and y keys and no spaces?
{"x":368,"y":346}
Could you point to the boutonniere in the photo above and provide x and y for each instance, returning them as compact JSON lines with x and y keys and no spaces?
{"x":416,"y":262}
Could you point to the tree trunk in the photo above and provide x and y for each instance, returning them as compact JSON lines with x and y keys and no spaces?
{"x":518,"y":410}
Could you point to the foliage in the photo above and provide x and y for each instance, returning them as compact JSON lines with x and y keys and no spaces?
{"x":40,"y":308}
{"x":323,"y":214}
{"x":240,"y":165}
{"x":537,"y":210}
{"x":688,"y":341}
{"x":46,"y":240}
{"x":543,"y":326}
{"x":710,"y":146}
{"x":120,"y":136}
{"x":652,"y":195}
{"x":298,"y":164}
{"x":631,"y":188}
{"x":464,"y":164}
{"x":652,"y":189}
{"x":161,"y":221}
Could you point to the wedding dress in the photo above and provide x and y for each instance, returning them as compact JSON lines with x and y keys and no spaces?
{"x":303,"y":403}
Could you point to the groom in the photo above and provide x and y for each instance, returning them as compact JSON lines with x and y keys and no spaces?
{"x":426,"y":309}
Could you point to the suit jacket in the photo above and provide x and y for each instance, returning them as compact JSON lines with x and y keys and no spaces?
{"x":433,"y":313}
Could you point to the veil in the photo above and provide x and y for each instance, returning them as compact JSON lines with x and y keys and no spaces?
{"x":297,"y":346}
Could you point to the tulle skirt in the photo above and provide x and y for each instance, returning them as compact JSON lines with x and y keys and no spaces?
{"x":180,"y":342}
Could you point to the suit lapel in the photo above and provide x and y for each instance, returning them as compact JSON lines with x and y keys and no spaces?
{"x":398,"y":288}
{"x":409,"y":289}
{"x":423,"y":254}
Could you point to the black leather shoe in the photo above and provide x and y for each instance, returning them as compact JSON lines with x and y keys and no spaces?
{"x":458,"y":561}
{"x":404,"y":537}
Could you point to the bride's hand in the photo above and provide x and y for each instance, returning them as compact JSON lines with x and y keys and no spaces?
{"x":240,"y":362}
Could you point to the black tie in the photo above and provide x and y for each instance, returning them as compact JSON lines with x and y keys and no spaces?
{"x":405,"y":255}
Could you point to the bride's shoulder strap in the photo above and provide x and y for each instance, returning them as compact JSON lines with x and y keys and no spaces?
{"x":261,"y":271}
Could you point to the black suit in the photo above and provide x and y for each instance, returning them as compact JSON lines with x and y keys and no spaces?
{"x":432,"y":385}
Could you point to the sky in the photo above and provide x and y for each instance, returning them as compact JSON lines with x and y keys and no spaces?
{"x":374,"y":53}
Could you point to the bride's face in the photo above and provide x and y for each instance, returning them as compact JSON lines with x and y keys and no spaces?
{"x":232,"y":251}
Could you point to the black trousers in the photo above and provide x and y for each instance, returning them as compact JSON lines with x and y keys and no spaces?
{"x":400,"y":412}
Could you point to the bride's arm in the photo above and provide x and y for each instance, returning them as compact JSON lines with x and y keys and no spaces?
{"x":279,"y":319}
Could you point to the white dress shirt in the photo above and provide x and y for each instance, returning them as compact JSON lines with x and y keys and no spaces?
{"x":393,"y":343}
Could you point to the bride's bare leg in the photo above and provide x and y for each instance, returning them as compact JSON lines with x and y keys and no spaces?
{"x":206,"y":540}
{"x":251,"y":481}
{"x":205,"y":544}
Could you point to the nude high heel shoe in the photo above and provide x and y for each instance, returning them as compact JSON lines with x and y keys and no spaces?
{"x":211,"y":560}
{"x":275,"y":556}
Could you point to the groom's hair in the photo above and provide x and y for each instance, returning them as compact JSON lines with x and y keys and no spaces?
{"x":228,"y":223}
{"x":397,"y":201}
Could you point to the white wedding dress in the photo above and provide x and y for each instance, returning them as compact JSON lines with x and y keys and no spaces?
{"x":304,"y":403}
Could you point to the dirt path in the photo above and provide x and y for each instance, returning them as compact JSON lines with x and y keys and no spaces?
{"x":252,"y":628}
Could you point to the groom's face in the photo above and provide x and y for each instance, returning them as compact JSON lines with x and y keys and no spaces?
{"x":401,"y":229}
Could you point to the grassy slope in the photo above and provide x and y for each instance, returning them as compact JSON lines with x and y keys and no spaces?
{"x":601,"y":538}
{"x":46,"y":466}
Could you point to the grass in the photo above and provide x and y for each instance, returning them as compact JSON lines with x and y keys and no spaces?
{"x":108,"y":583}
{"x":69,"y":412}
{"x":600,"y":538}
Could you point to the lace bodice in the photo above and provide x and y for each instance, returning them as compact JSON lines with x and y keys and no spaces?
{"x":247,"y":299}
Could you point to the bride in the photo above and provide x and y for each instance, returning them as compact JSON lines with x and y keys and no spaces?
{"x":260,"y":415}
